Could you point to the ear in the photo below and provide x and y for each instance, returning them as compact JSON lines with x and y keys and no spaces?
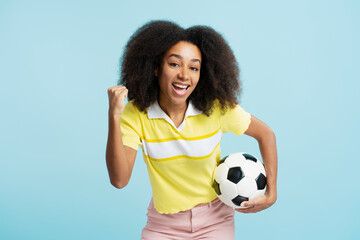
{"x":156,"y":72}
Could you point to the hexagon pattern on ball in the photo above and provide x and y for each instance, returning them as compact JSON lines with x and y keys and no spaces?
{"x":221,"y":172}
{"x":239,"y":177}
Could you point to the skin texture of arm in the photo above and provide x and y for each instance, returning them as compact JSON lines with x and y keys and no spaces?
{"x":120,"y":159}
{"x":267,"y":144}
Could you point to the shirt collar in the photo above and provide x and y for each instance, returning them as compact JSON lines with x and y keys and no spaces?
{"x":155,"y":111}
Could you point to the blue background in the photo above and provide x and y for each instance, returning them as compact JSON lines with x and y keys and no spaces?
{"x":299,"y":64}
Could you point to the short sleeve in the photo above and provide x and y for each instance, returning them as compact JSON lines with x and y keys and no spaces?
{"x":235,"y":120}
{"x":130,"y":126}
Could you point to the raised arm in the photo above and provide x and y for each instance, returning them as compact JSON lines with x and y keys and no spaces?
{"x":120,"y":159}
{"x":267,"y":144}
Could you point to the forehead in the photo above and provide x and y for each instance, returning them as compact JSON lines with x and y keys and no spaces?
{"x":184,"y":49}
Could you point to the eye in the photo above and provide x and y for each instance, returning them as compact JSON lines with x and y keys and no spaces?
{"x":194,"y":69}
{"x":173,"y":64}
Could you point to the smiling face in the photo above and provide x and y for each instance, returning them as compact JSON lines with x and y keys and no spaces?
{"x":179,"y":73}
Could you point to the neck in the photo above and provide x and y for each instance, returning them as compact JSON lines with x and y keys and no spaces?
{"x":176,"y":112}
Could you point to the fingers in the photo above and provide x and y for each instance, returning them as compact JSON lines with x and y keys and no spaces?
{"x":247,"y":207}
{"x":247,"y":204}
{"x":116,"y":87}
{"x":117,"y":98}
{"x":117,"y":90}
{"x":248,"y":210}
{"x":253,"y":206}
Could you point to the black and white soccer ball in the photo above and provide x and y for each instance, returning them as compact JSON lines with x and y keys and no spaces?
{"x":239,"y":177}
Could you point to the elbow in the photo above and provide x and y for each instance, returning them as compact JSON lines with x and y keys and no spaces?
{"x":270,"y":133}
{"x":118,"y":184}
{"x":267,"y":135}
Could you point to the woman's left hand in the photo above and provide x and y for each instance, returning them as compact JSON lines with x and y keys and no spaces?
{"x":257,"y":204}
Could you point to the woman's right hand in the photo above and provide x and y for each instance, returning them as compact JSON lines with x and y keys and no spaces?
{"x":117,"y":97}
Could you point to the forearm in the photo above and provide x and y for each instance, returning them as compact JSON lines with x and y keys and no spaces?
{"x":267,"y":145}
{"x":118,"y":166}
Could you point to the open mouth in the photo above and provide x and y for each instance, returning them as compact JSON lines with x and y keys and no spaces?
{"x":180,"y":89}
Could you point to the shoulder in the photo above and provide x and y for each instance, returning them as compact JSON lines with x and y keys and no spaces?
{"x":131,"y":112}
{"x":221,"y":109}
{"x":130,"y":107}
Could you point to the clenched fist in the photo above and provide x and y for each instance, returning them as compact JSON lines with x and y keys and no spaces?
{"x":117,"y":97}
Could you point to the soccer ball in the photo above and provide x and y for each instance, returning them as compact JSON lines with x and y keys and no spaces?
{"x":239,"y":177}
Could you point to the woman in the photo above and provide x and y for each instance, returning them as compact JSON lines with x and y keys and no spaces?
{"x":182,"y":86}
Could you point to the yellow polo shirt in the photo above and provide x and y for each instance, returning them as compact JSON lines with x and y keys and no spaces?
{"x":180,"y":160}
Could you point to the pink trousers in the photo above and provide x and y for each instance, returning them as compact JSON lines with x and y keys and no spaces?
{"x":213,"y":220}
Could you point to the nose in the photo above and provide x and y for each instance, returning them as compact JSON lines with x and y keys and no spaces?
{"x":184,"y":73}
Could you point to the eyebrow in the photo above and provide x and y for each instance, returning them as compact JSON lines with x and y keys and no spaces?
{"x":179,"y":56}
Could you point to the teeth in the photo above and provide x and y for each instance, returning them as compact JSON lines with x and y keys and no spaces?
{"x":179,"y":86}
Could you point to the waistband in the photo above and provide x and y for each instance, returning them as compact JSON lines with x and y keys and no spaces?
{"x":209,"y":204}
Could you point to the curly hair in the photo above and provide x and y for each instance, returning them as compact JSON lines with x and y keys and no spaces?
{"x":219,"y":73}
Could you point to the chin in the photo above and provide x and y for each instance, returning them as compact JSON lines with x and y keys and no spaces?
{"x":178,"y":101}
